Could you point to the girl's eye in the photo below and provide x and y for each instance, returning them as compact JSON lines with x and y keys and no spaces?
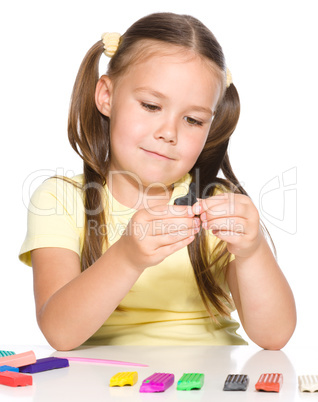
{"x":193,"y":122}
{"x":150,"y":107}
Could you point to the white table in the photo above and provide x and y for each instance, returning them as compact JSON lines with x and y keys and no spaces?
{"x":90,"y":382}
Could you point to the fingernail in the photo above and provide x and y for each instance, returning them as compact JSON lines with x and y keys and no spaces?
{"x":203,"y":216}
{"x":190,"y":212}
{"x":197,"y":209}
{"x":197,"y":222}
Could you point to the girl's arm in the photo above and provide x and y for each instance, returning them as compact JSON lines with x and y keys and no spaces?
{"x":262,"y":296}
{"x":71,"y":306}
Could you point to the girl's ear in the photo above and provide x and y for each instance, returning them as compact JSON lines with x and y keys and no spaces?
{"x":103,"y":95}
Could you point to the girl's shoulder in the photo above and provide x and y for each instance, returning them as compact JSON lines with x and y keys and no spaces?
{"x":57,"y":190}
{"x":56,"y":183}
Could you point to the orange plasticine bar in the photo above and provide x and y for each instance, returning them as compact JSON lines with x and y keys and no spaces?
{"x":18,"y":360}
{"x":271,"y":382}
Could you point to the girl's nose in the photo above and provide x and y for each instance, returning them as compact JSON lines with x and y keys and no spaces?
{"x":168,"y":132}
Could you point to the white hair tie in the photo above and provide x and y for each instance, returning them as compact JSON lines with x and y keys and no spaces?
{"x":111,"y":42}
{"x":229,"y":80}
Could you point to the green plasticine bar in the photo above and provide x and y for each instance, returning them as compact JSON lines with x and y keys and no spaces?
{"x":190,"y":381}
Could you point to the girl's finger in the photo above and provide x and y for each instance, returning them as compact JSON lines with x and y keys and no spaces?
{"x":171,"y":226}
{"x":168,"y":212}
{"x":237,"y":225}
{"x":226,"y":210}
{"x":172,"y":248}
{"x":169,"y":239}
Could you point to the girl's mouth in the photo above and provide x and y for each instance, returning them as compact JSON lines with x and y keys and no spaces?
{"x":156,"y":155}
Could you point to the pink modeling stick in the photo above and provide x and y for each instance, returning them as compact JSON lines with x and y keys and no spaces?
{"x":103,"y":361}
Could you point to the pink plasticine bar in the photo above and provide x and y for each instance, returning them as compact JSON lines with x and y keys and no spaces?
{"x":103,"y":361}
{"x":18,"y":360}
{"x":157,"y":382}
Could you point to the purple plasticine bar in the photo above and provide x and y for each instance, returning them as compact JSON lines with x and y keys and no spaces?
{"x":18,"y":360}
{"x":48,"y":363}
{"x":157,"y":382}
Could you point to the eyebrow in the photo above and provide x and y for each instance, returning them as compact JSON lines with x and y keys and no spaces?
{"x":160,"y":95}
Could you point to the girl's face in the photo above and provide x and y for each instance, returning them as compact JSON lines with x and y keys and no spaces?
{"x":160,"y":113}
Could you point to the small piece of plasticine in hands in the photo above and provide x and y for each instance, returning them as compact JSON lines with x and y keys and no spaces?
{"x":188,"y":199}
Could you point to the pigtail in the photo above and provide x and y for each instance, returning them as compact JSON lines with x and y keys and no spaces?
{"x":87,"y":133}
{"x":209,"y":267}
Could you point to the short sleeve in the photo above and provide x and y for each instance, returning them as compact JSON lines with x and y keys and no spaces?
{"x":55,"y":218}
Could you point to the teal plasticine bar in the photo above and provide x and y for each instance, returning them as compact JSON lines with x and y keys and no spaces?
{"x":6,"y":353}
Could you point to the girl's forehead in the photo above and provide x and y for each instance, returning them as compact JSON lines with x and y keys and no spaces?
{"x":170,"y":52}
{"x":146,"y":51}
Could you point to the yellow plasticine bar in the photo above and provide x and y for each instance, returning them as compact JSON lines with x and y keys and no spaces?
{"x":125,"y":378}
{"x":18,"y":360}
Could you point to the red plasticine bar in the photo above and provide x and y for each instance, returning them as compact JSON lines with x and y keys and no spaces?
{"x":18,"y":360}
{"x":270,"y":382}
{"x":13,"y":379}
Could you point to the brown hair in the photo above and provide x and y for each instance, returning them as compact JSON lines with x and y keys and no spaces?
{"x":88,"y":132}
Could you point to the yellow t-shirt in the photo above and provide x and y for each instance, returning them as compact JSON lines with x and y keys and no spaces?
{"x":163,"y":307}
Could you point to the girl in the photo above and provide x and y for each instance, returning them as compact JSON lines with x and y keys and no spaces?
{"x":114,"y":261}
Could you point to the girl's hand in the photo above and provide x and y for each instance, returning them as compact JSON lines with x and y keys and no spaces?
{"x":234,"y":219}
{"x":153,"y":234}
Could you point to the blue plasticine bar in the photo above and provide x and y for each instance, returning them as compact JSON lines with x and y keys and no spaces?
{"x":49,"y":363}
{"x":8,"y":368}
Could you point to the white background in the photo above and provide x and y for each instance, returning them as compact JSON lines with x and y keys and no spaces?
{"x":271,"y":49}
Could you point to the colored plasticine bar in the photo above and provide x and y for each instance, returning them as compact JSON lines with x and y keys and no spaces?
{"x":270,"y":382}
{"x":8,"y":368}
{"x":13,"y":379}
{"x":18,"y":360}
{"x":236,"y":382}
{"x":308,"y":383}
{"x":125,"y":378}
{"x":6,"y":353}
{"x":190,"y":381}
{"x":189,"y":199}
{"x":48,"y":363}
{"x":157,"y":382}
